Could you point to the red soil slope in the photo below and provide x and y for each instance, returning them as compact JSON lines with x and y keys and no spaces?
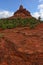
{"x":22,"y":46}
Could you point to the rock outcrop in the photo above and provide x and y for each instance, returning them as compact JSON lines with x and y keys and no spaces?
{"x":21,"y":13}
{"x":21,"y":46}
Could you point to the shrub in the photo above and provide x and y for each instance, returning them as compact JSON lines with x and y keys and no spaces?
{"x":12,"y":23}
{"x":3,"y":26}
{"x":9,"y":26}
{"x":33,"y":22}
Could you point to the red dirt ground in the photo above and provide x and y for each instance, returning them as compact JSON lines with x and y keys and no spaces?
{"x":22,"y":46}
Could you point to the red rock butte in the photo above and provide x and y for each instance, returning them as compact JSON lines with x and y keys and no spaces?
{"x":21,"y":45}
{"x":22,"y":13}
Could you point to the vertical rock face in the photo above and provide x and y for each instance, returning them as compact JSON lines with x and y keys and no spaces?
{"x":21,"y":7}
{"x":22,"y":13}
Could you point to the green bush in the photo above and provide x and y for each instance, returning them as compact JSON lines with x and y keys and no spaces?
{"x":12,"y":23}
{"x":3,"y":26}
{"x":9,"y":26}
{"x":33,"y":22}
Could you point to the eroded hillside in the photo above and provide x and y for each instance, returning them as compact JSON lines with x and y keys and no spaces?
{"x":21,"y":46}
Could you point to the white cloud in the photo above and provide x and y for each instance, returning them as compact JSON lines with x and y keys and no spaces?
{"x":40,"y":6}
{"x":39,"y":12}
{"x":5,"y":14}
{"x":36,"y":15}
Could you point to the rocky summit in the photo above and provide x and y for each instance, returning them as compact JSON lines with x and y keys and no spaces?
{"x":21,"y":13}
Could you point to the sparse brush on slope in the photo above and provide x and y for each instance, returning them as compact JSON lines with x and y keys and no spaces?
{"x":18,"y":22}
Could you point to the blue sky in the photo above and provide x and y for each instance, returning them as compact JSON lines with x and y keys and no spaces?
{"x":13,"y":5}
{"x":8,"y":7}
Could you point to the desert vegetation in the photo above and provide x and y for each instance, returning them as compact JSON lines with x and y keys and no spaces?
{"x":18,"y":22}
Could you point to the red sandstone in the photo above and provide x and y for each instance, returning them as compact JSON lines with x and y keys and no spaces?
{"x":22,"y":46}
{"x":21,"y":13}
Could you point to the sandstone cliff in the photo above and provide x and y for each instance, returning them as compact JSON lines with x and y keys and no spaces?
{"x":21,"y":13}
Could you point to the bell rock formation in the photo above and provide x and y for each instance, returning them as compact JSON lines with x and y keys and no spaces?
{"x":21,"y":13}
{"x":21,"y":45}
